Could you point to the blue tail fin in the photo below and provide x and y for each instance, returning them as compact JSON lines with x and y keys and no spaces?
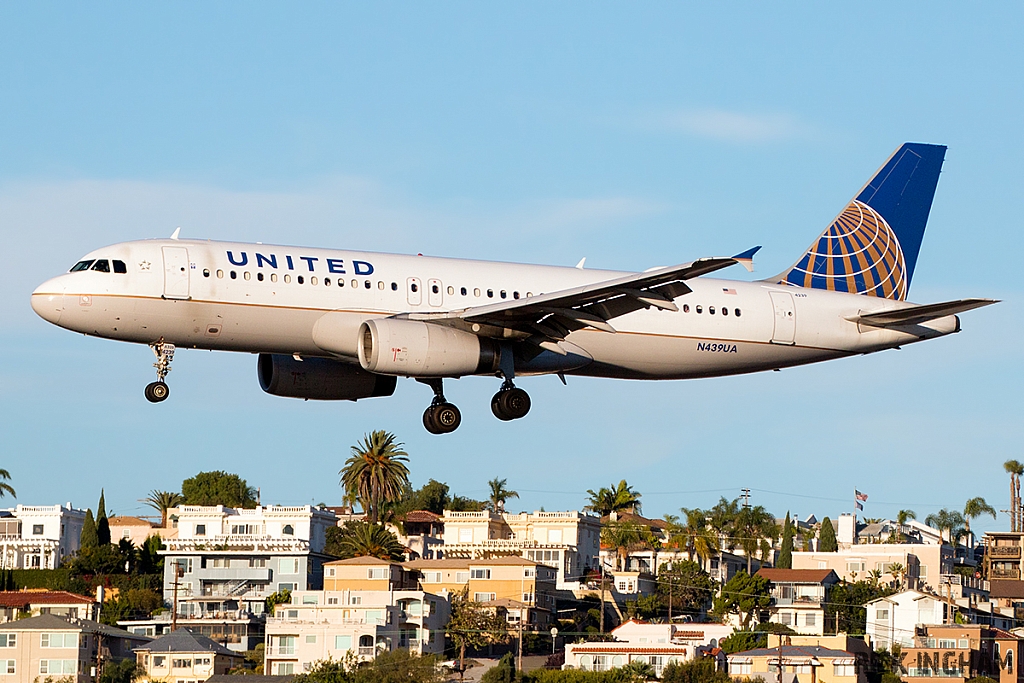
{"x":872,"y":246}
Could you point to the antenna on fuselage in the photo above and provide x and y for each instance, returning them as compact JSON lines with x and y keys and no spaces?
{"x":177,"y":231}
{"x":582,"y":261}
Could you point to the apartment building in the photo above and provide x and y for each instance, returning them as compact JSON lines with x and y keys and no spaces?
{"x":568,"y":542}
{"x":368,"y":573}
{"x":655,"y":644}
{"x":183,"y":656}
{"x":798,"y":663}
{"x":1003,"y":557}
{"x":237,"y":631}
{"x":525,"y":589}
{"x":896,"y":619}
{"x":33,"y":602}
{"x":799,"y":597}
{"x":918,"y":566}
{"x":60,"y":648}
{"x":334,"y":624}
{"x":226,"y":561}
{"x":39,"y":536}
{"x":962,"y":651}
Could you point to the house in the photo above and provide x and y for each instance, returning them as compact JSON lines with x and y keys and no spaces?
{"x":35,"y":601}
{"x":910,"y":565}
{"x":799,"y":597}
{"x":227,"y":561}
{"x":895,"y":619}
{"x":962,"y":651}
{"x":319,"y":625}
{"x":568,"y":542}
{"x":499,"y":578}
{"x":654,"y":644}
{"x":133,"y":529}
{"x":184,"y":656}
{"x":39,"y":536}
{"x":61,"y":647}
{"x":368,"y":573}
{"x":799,"y":664}
{"x":238,"y":631}
{"x":422,"y":532}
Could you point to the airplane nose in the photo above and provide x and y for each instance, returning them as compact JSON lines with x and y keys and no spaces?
{"x":48,"y":301}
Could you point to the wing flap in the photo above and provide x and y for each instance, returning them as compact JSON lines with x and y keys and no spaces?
{"x":917,"y":314}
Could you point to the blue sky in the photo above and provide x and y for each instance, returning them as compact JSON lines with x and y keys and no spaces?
{"x":633,"y":134}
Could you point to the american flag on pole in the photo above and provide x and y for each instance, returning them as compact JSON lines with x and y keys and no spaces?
{"x":860,"y":496}
{"x":858,"y":505}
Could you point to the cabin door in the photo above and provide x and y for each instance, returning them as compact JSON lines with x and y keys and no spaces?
{"x":785,"y":318}
{"x":176,"y":272}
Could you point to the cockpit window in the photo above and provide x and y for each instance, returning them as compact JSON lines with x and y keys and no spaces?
{"x":103,"y":266}
{"x":81,"y":265}
{"x":119,"y":267}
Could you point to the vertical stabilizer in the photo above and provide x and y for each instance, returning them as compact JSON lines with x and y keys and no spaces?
{"x":872,"y":246}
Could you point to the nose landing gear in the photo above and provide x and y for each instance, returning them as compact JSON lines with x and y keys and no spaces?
{"x":158,"y":391}
{"x":441,"y":417}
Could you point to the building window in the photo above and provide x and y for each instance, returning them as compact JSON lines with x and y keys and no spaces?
{"x":738,"y":668}
{"x":964,"y":644}
{"x":289,"y":565}
{"x":58,"y":666}
{"x":844,"y":670}
{"x":200,"y":529}
{"x":483,"y":597}
{"x":37,"y":529}
{"x":62,"y":640}
{"x":811,"y":619}
{"x":288,"y":530}
{"x":882,"y":615}
{"x":159,"y":661}
{"x":355,"y":600}
{"x":181,"y":663}
{"x":8,"y":639}
{"x":480,"y":573}
{"x":342,"y":642}
{"x":7,"y":667}
{"x":461,"y":577}
{"x":431,"y":577}
{"x":309,"y":599}
{"x":377,"y":573}
{"x":332,"y":601}
{"x":311,"y":639}
{"x":284,"y":668}
{"x":785,"y":618}
{"x":245,"y":529}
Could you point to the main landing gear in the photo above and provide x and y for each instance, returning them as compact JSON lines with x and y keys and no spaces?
{"x":158,"y":391}
{"x":441,"y":417}
{"x":510,"y":403}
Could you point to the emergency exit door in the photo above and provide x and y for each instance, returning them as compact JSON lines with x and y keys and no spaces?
{"x":785,"y":318}
{"x":176,"y":273}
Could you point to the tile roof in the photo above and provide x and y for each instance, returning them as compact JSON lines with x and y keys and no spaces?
{"x":1006,"y":588}
{"x":633,"y":518}
{"x":129,"y":521}
{"x":23,"y":598}
{"x":794,"y":651}
{"x":796,"y":575}
{"x":183,"y":640}
{"x":420,"y":516}
{"x":358,"y":561}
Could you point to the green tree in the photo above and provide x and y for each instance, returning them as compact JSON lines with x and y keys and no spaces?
{"x":500,"y":494}
{"x":974,"y":508}
{"x":685,"y":588}
{"x":473,"y":625}
{"x":281,"y":597}
{"x":89,"y":539}
{"x":135,"y":603}
{"x":950,"y":524}
{"x":752,"y":525}
{"x":618,"y":498}
{"x":150,"y":561}
{"x":363,"y":539}
{"x":827,"y":537}
{"x":6,"y":488}
{"x":786,"y":551}
{"x":846,"y":604}
{"x":503,"y":672}
{"x":624,"y":538}
{"x":695,"y":535}
{"x":376,"y":472}
{"x":432,"y":497}
{"x":1015,"y":470}
{"x":722,"y":518}
{"x":102,"y":524}
{"x":700,"y":670}
{"x":218,"y":488}
{"x":162,"y":501}
{"x":124,"y":671}
{"x":743,"y":595}
{"x":741,"y":641}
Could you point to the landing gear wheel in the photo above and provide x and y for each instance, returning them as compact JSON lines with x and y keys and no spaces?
{"x":156,"y":392}
{"x":510,"y":404}
{"x":442,"y":418}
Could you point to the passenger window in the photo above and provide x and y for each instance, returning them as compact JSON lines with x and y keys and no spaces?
{"x":327,"y":282}
{"x":119,"y":267}
{"x":234,"y":275}
{"x":273,"y":277}
{"x":300,"y":279}
{"x":725,"y":311}
{"x":490,"y":293}
{"x":711,"y":310}
{"x":102,"y":266}
{"x":287,"y":278}
{"x":246,"y":275}
{"x":503,"y":294}
{"x":380,"y":285}
{"x":699,"y":309}
{"x":414,"y":287}
{"x":463,"y":291}
{"x":355,"y":284}
{"x":220,"y":273}
{"x":515,"y":295}
{"x":394,"y":286}
{"x":367,"y":283}
{"x":81,"y":265}
{"x":206,"y":272}
{"x":451,"y":290}
{"x":686,"y":308}
{"x":259,"y":276}
{"x":313,"y":280}
{"x":476,"y":292}
{"x":737,"y":312}
{"x":434,"y":289}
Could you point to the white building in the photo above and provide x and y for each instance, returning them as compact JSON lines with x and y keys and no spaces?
{"x":320,"y":625}
{"x":895,"y":618}
{"x":39,"y":536}
{"x":654,"y":644}
{"x":228,"y":561}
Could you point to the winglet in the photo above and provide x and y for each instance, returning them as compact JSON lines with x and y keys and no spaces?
{"x":177,"y":231}
{"x":582,"y":261}
{"x":746,"y":258}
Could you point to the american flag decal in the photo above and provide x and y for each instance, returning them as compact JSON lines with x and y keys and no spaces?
{"x":729,"y":291}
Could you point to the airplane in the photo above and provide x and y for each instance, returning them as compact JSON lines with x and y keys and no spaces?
{"x":344,"y":325}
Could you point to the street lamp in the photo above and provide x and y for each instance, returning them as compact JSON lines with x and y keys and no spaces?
{"x":554,"y":634}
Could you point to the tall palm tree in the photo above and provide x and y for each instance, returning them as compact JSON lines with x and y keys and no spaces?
{"x":624,"y":538}
{"x":376,"y":472}
{"x":499,"y":494}
{"x":950,"y":524}
{"x":752,"y":525}
{"x":162,"y":501}
{"x":722,"y":519}
{"x":975,"y":507}
{"x":898,"y":570}
{"x":363,"y":539}
{"x":6,"y":488}
{"x":701,"y":539}
{"x":618,"y":498}
{"x":1015,"y":470}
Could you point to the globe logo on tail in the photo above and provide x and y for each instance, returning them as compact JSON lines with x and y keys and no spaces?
{"x":858,"y":253}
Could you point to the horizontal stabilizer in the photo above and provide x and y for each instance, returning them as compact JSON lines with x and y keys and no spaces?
{"x":917,"y":314}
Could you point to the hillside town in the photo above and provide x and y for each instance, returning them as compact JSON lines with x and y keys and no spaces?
{"x":422,"y":584}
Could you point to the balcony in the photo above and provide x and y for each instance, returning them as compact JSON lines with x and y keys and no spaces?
{"x":1009,"y":551}
{"x":1004,"y":573}
{"x":370,"y":651}
{"x":281,"y":651}
{"x":235,"y":543}
{"x":261,"y":574}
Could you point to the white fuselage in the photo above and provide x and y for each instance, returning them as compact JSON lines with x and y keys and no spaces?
{"x":193,"y":294}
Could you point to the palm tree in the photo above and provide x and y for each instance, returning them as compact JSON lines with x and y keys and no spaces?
{"x":620,"y":498}
{"x":363,"y":539}
{"x":754,"y":524}
{"x":162,"y":501}
{"x":499,"y":494}
{"x":376,"y":472}
{"x":623,"y":538}
{"x":6,"y":488}
{"x":950,"y":524}
{"x":722,"y":519}
{"x":897,"y":570}
{"x":701,"y":539}
{"x":975,"y":507}
{"x":1015,"y":470}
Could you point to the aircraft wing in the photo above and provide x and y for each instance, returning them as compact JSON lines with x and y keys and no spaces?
{"x":547,"y":318}
{"x":917,"y":314}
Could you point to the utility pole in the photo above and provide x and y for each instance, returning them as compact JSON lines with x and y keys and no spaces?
{"x":746,"y":498}
{"x":670,"y":600}
{"x":179,"y":572}
{"x":601,"y":564}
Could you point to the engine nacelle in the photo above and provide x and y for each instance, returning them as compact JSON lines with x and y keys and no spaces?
{"x":416,"y":349}
{"x":320,"y":379}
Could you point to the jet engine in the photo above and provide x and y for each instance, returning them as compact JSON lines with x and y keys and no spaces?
{"x":417,"y":349}
{"x":319,"y":379}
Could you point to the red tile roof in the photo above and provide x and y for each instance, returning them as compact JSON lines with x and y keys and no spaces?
{"x":795,"y":575}
{"x":421,"y":516}
{"x":22,"y":599}
{"x":119,"y":520}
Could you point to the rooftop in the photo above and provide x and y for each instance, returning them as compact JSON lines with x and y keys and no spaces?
{"x":51,"y":622}
{"x":119,"y":520}
{"x":420,"y":516}
{"x":796,"y":575}
{"x":1006,"y":588}
{"x":360,"y":561}
{"x":23,"y":598}
{"x":794,"y":651}
{"x":183,"y":640}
